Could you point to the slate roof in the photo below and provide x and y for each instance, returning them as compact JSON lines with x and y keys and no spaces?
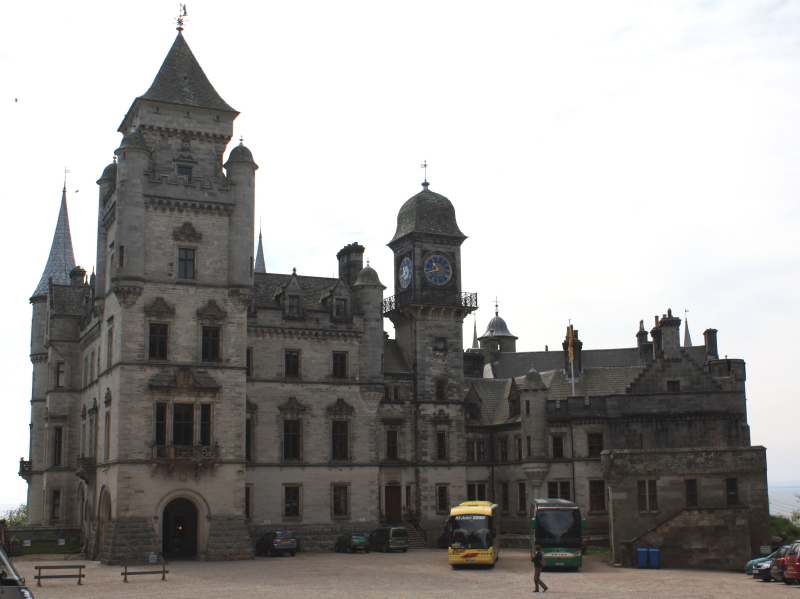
{"x":427,"y":212}
{"x":497,"y":327}
{"x":393,"y":358}
{"x":494,"y":399}
{"x":241,"y":154}
{"x":260,"y":266}
{"x":369,"y":277}
{"x":266,"y":284}
{"x":110,"y":172}
{"x":516,"y":364}
{"x":181,"y":80}
{"x":593,"y":381}
{"x":61,"y":260}
{"x":67,"y":300}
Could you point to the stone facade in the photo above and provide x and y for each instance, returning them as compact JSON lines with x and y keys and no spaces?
{"x":208,"y":400}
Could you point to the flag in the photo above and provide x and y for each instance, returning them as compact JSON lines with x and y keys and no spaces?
{"x":569,"y":337}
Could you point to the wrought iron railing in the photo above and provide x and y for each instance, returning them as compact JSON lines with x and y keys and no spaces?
{"x":432,"y":297}
{"x":185,"y":452}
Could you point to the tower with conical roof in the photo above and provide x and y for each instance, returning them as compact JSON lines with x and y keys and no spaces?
{"x":155,"y":352}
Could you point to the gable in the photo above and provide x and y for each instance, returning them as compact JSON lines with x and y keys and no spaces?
{"x":654,"y":377}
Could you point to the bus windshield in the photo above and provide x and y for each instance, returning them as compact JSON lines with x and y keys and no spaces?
{"x":470,"y":531}
{"x":558,"y":527}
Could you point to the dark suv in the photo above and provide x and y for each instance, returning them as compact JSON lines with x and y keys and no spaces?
{"x":275,"y":543}
{"x":389,"y":538}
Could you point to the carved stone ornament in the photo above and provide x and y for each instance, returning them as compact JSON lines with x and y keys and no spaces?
{"x":187,"y":232}
{"x":185,"y":379}
{"x":292,"y":408}
{"x":127,"y":296}
{"x":98,"y":309}
{"x":536,"y":477}
{"x":107,"y":399}
{"x":93,"y":409}
{"x":185,"y":144}
{"x":212,"y":312}
{"x":159,"y":308}
{"x":341,"y":408}
{"x":83,"y":412}
{"x":241,"y":298}
{"x":441,"y":416}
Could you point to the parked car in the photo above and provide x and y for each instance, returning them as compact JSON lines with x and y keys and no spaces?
{"x":791,"y":567}
{"x":762,"y":571}
{"x":389,"y":538}
{"x":749,"y":566}
{"x":275,"y":543}
{"x":351,"y":542}
{"x":777,"y":563}
{"x":13,"y":585}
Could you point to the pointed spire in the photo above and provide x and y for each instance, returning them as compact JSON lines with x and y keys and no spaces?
{"x":260,"y":265}
{"x":61,"y":260}
{"x":181,"y":80}
{"x":475,"y":344}
{"x":687,"y":338}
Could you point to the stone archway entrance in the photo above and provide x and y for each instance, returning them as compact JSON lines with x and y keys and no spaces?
{"x":179,"y":533}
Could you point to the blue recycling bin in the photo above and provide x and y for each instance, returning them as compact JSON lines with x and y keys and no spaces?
{"x":654,"y":558}
{"x":642,"y":554}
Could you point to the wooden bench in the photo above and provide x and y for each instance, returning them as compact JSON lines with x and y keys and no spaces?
{"x":79,"y":575}
{"x":163,"y":571}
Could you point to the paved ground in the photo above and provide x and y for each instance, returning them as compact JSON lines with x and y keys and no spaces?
{"x":418,"y":573}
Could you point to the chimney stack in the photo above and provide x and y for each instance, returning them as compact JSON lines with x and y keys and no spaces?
{"x":351,"y":262}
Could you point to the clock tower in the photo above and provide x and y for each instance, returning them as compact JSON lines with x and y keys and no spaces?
{"x":429,"y":307}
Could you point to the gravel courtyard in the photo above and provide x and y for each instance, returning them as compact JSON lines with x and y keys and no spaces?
{"x":418,"y":573}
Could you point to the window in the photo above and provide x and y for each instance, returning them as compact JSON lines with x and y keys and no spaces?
{"x":528,"y":448}
{"x":293,"y":305}
{"x":248,"y":362}
{"x":442,"y":502}
{"x":85,"y":370}
{"x":248,"y":502}
{"x":58,"y":445}
{"x":211,"y":339}
{"x":597,"y":496}
{"x":183,"y":424}
{"x":61,"y":374}
{"x":558,"y":489}
{"x":391,"y":445}
{"x":248,"y":440}
{"x":503,"y":450}
{"x":474,"y":411}
{"x":690,"y":484}
{"x":519,"y":449}
{"x":158,"y":341}
{"x":527,"y":407}
{"x":521,"y":498}
{"x":110,"y":349}
{"x":55,"y":513}
{"x":291,"y":439}
{"x":595,"y":441}
{"x":121,"y":256}
{"x":440,"y":391}
{"x":558,"y":447}
{"x":292,"y":364}
{"x":340,"y":308}
{"x":476,"y":492}
{"x":480,"y":451}
{"x":470,"y":451}
{"x":205,"y":424}
{"x":732,"y":490}
{"x":186,"y":263}
{"x":161,"y":424}
{"x":673,"y":386}
{"x":503,"y":497}
{"x":441,"y":445}
{"x":339,"y":440}
{"x":340,"y":365}
{"x":291,"y":502}
{"x":185,"y":171}
{"x":648,"y":496}
{"x":107,"y":452}
{"x":91,"y":368}
{"x":340,"y":500}
{"x":396,"y":393}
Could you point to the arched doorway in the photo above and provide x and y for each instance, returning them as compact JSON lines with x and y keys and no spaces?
{"x":103,"y":523}
{"x":179,"y":533}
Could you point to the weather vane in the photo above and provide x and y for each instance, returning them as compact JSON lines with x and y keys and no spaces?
{"x":424,"y":165}
{"x":66,"y":170}
{"x":179,"y":20}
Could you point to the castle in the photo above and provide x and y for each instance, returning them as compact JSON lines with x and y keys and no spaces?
{"x":185,"y":400}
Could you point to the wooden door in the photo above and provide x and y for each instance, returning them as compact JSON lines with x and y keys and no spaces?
{"x":393,"y":506}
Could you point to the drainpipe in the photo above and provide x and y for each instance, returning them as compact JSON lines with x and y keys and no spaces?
{"x":611,"y":525}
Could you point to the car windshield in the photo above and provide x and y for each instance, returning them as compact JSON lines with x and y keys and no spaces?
{"x":358,"y":537}
{"x":399,"y":532}
{"x":284,"y":535}
{"x":558,"y":527}
{"x":6,"y":566}
{"x":470,"y":531}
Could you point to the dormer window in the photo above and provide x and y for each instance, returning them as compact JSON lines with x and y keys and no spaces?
{"x":293,"y":305}
{"x":185,"y":171}
{"x":340,"y":308}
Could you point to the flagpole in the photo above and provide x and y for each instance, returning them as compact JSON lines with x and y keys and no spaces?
{"x":571,"y":357}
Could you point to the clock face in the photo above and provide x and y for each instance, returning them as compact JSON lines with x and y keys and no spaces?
{"x":404,"y":273}
{"x":438,"y":269}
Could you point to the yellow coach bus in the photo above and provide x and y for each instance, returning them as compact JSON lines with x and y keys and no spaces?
{"x":472,"y":534}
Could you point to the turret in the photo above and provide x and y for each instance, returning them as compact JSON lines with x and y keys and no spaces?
{"x":241,"y":169}
{"x":107,"y":184}
{"x":369,"y":291}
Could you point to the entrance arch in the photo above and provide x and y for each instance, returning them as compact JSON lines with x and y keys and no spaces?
{"x":103,"y":523}
{"x":179,"y":529}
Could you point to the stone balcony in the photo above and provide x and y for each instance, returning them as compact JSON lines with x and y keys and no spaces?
{"x":85,"y":469}
{"x":25,"y":469}
{"x":182,"y":456}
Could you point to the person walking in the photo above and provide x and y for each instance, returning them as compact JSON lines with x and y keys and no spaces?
{"x":538,"y":564}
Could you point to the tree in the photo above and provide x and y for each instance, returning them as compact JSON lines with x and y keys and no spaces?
{"x":16,"y":517}
{"x":796,"y":513}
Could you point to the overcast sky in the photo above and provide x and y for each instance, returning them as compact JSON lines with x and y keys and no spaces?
{"x":607,"y":160}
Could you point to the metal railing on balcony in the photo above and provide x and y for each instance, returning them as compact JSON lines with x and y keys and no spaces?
{"x":185,"y":452}
{"x":432,"y":297}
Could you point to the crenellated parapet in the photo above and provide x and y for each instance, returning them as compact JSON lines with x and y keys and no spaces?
{"x":197,"y":181}
{"x":184,"y":207}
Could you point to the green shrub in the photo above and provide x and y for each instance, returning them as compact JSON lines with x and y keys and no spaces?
{"x":779,"y":524}
{"x":16,"y":517}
